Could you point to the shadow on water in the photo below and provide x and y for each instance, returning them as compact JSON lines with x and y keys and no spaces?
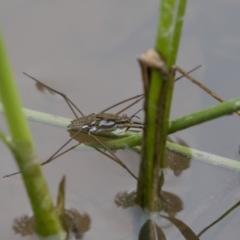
{"x":176,"y":162}
{"x":73,"y":223}
{"x":150,"y":229}
{"x":24,"y":225}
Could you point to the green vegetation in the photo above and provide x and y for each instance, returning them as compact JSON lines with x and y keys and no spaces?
{"x":157,"y":106}
{"x":21,"y":145}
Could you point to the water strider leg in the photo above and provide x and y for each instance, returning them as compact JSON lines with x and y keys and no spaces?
{"x":182,"y":76}
{"x":143,"y":94}
{"x":195,"y":81}
{"x":54,"y":156}
{"x":117,"y":160}
{"x":112,"y":156}
{"x":130,"y":105}
{"x":151,"y":59}
{"x":71,"y":104}
{"x":68,"y":101}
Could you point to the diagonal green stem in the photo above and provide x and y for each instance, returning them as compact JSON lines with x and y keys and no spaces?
{"x":228,"y":107}
{"x":133,"y":139}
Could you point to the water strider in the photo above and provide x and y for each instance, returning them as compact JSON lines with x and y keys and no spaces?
{"x":94,"y":123}
{"x":107,"y":122}
{"x":97,"y":123}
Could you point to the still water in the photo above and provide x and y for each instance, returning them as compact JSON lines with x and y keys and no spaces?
{"x":88,"y":49}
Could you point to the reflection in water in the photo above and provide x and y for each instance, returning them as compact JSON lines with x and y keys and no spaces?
{"x":175,"y":161}
{"x":23,"y":225}
{"x":151,"y":231}
{"x":41,"y":88}
{"x":125,"y":199}
{"x":80,"y":223}
{"x":84,"y":138}
{"x":73,"y":223}
{"x":173,"y":204}
{"x":183,"y":228}
{"x":220,"y":218}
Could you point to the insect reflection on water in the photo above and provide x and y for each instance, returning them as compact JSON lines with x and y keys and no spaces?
{"x":73,"y":223}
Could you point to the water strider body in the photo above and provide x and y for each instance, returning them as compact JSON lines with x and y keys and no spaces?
{"x":103,"y":122}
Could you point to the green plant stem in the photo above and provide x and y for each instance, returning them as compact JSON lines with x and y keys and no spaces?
{"x":201,"y":156}
{"x":193,"y":119}
{"x":173,"y":48}
{"x":210,"y":113}
{"x":228,"y":107}
{"x":165,"y":29}
{"x":22,"y":147}
{"x":187,"y":152}
{"x":135,"y":139}
{"x":158,"y":90}
{"x":219,"y":219}
{"x":61,"y":122}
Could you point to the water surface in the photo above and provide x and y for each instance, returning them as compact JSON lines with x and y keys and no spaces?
{"x":88,"y":50}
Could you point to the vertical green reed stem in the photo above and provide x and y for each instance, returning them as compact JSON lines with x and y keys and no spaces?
{"x":157,"y":106}
{"x":46,"y":219}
